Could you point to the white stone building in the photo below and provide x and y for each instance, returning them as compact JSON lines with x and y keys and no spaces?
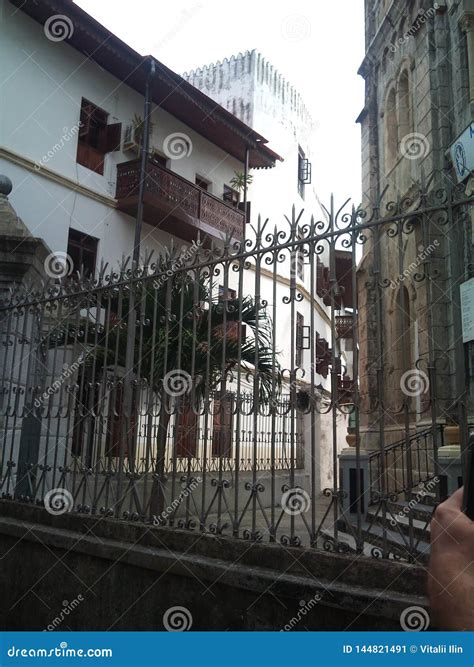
{"x":252,"y":89}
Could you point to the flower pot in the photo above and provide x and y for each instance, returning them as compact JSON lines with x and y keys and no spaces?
{"x":351,"y":439}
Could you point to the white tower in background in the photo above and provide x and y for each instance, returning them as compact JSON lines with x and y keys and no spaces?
{"x":250,"y":87}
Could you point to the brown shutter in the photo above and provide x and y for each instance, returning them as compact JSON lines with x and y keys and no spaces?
{"x":223,"y":426}
{"x":115,"y":423}
{"x":113,"y":137}
{"x":186,"y":431}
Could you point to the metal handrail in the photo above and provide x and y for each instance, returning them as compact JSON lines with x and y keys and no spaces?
{"x":403,"y":441}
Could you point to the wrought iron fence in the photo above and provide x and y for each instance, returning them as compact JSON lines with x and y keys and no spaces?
{"x":215,"y":387}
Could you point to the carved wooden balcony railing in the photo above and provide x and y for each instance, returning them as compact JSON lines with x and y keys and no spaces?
{"x":344,"y":325}
{"x":345,"y":389}
{"x":176,"y":205}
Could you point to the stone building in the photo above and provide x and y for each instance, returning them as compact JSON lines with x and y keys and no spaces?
{"x":419,"y":82}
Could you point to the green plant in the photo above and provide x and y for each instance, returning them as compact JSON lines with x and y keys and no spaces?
{"x":238,"y":181}
{"x":139,"y":128}
{"x":192,"y":340}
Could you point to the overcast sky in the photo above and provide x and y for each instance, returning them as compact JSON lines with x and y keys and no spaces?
{"x":317,"y":45}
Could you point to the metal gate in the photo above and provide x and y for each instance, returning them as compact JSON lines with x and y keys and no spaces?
{"x":296,"y":387}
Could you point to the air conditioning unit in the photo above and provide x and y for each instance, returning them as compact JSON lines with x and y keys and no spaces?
{"x":129,"y":141}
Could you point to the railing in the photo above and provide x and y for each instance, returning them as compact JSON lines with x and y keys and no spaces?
{"x":176,"y":198}
{"x":407,"y":463}
{"x":344,"y":326}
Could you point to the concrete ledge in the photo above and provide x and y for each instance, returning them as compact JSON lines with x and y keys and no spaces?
{"x":199,"y":571}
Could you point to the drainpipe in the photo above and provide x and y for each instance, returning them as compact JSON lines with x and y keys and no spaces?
{"x":143,"y":165}
{"x":246,"y":173}
{"x":126,"y":417}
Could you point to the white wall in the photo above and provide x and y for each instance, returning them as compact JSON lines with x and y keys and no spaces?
{"x":43,"y":84}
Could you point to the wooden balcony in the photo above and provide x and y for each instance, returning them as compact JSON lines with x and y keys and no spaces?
{"x":176,"y":205}
{"x":344,"y":326}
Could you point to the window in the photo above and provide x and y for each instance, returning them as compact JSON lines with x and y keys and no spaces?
{"x":82,"y":249}
{"x":233,"y":328}
{"x":304,"y":172}
{"x":223,"y":425}
{"x":120,"y":429}
{"x":202,"y":183}
{"x":229,"y":294}
{"x":186,"y":430}
{"x":299,"y":339}
{"x":159,"y":159}
{"x":300,"y":258}
{"x":231,"y":196}
{"x":96,"y":138}
{"x":391,"y":131}
{"x":404,"y":105}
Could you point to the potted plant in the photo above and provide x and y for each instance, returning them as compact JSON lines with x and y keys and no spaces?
{"x":238,"y":181}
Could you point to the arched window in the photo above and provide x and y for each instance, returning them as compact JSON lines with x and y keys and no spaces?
{"x":391,"y":135}
{"x":403,"y":329}
{"x":405,"y":122}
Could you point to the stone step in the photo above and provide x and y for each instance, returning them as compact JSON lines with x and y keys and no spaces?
{"x":393,"y":541}
{"x":421,"y":529}
{"x":420,"y":511}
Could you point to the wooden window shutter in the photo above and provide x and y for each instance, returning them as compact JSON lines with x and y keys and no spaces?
{"x":113,"y":137}
{"x":115,"y":423}
{"x":186,"y":430}
{"x":223,"y":426}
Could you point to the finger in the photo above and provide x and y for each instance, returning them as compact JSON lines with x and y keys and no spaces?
{"x":454,"y":502}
